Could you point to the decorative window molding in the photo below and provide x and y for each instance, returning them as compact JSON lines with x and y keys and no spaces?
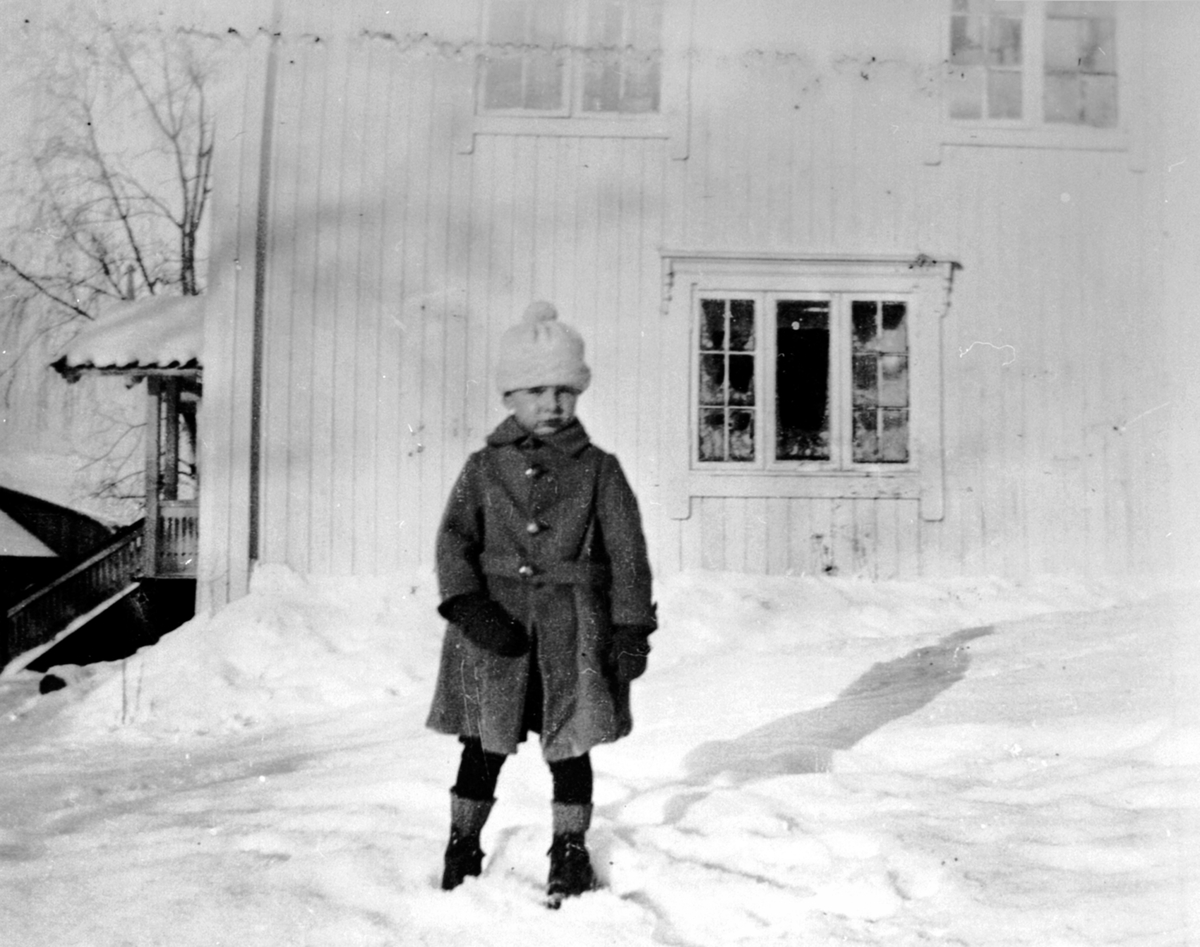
{"x":805,"y":376}
{"x":583,"y":68}
{"x":1041,"y":74}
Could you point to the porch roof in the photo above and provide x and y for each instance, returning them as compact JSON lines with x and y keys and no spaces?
{"x":152,"y":335}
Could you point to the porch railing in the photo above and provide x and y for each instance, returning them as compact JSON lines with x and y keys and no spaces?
{"x":178,"y":541}
{"x":40,"y":616}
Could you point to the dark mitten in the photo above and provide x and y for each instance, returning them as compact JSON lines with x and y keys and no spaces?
{"x":485,"y":623}
{"x":630,"y":646}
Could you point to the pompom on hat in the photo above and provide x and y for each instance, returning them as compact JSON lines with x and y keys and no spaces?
{"x":540,"y":351}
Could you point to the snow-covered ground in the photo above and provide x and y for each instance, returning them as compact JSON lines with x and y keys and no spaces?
{"x":814,"y":761}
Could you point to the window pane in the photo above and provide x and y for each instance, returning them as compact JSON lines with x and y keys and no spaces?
{"x":866,"y":436}
{"x":543,"y":81}
{"x":1081,"y":66}
{"x":881,"y":437}
{"x":865,"y":320}
{"x":866,"y":381}
{"x":502,"y":82}
{"x":880,"y":397}
{"x":727,"y":380}
{"x":741,"y":435}
{"x":1100,"y":101}
{"x":622,"y":55}
{"x":894,"y":334}
{"x":642,"y":82}
{"x":741,"y":379}
{"x":524,"y":66}
{"x":964,"y":90}
{"x":1064,"y":98}
{"x":1004,"y":41}
{"x":893,"y":380}
{"x":712,"y":379}
{"x":712,"y":324}
{"x":1004,"y":95}
{"x":1099,"y":54}
{"x":893,"y":440}
{"x":601,"y":83}
{"x":986,"y":56}
{"x":802,"y":380}
{"x":1062,"y":45}
{"x":966,"y":40}
{"x":741,"y":325}
{"x":712,"y":435}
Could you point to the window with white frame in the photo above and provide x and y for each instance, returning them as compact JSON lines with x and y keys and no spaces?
{"x":1030,"y":64}
{"x":806,"y":376}
{"x":571,"y":58}
{"x":815,"y":381}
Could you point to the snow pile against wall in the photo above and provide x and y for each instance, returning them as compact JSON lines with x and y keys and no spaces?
{"x":292,"y":648}
{"x":302,"y":646}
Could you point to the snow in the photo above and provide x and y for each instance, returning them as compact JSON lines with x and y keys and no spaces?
{"x":814,"y":760}
{"x":163,"y":331}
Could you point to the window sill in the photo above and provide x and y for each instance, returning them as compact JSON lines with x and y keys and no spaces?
{"x":903,"y":485}
{"x":1055,"y":138}
{"x":564,"y":126}
{"x":1072,"y":137}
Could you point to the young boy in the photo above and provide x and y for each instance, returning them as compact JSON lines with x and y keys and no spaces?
{"x":545,"y":584}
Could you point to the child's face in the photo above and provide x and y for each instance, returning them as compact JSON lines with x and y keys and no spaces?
{"x":542,"y":410}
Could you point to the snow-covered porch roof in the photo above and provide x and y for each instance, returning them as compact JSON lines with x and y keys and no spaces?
{"x":155,"y":335}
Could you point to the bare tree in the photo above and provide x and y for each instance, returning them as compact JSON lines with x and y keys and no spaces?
{"x":105,"y":199}
{"x":119,"y":171}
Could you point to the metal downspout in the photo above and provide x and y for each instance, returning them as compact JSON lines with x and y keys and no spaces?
{"x":262,"y":222}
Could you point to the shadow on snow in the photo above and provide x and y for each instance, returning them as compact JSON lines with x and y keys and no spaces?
{"x":805,"y":742}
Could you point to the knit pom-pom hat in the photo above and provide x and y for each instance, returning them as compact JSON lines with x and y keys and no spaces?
{"x":540,"y":351}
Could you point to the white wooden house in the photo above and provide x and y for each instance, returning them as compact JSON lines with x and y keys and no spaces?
{"x":869,"y":288}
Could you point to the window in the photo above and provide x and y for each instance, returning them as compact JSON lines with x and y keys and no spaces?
{"x":1035,"y":63}
{"x":806,"y":376}
{"x":801,"y":381}
{"x":572,"y":59}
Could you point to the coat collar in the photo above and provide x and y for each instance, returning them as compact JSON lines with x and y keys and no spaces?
{"x":571,"y":440}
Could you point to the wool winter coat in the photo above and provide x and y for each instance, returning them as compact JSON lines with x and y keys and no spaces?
{"x":550,"y":529}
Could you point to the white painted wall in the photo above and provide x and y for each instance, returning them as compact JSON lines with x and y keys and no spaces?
{"x":396,"y":256}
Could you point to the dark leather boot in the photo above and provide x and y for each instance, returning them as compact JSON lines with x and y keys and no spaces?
{"x":571,"y":871}
{"x":464,"y":857}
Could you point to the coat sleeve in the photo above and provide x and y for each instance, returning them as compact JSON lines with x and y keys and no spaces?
{"x":621,"y":530}
{"x":460,"y":536}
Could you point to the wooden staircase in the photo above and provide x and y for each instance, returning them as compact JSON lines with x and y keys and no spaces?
{"x":112,"y":574}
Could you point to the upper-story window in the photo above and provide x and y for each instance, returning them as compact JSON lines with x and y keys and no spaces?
{"x":572,"y":58}
{"x":1033,"y":64}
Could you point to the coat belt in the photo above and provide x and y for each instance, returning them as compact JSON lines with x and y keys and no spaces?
{"x":594,"y":574}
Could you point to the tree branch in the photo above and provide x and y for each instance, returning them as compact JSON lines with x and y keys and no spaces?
{"x":38,"y":285}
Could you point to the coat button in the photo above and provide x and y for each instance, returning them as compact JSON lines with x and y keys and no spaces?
{"x":533,"y":527}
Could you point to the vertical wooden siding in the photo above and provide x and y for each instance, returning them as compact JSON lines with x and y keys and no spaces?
{"x":224,"y":419}
{"x":1051,"y":343}
{"x":394,"y":264}
{"x":396,"y":259}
